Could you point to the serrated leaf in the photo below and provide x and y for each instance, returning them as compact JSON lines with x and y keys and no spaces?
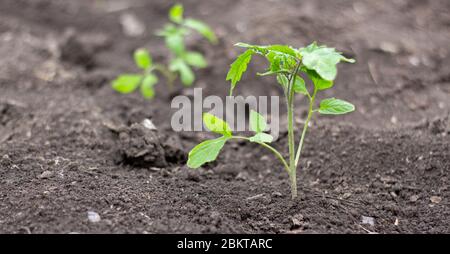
{"x":262,"y":138}
{"x":323,"y":60}
{"x":202,"y":29}
{"x":142,"y":58}
{"x":257,"y":122}
{"x":195,"y":59}
{"x":238,"y":67}
{"x":206,"y":151}
{"x":334,"y":106}
{"x":299,"y":86}
{"x":187,"y":76}
{"x":126,"y":83}
{"x":147,"y":89}
{"x":216,"y":124}
{"x":176,"y":13}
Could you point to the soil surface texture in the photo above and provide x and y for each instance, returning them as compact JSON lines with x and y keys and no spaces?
{"x":75,"y":155}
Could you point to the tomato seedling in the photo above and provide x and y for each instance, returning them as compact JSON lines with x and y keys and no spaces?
{"x":318,"y":63}
{"x":181,"y":60}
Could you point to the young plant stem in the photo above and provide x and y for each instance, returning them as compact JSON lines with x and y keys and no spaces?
{"x":305,"y":127}
{"x":273,"y":150}
{"x":291,"y":137}
{"x":292,"y":170}
{"x":169,"y":75}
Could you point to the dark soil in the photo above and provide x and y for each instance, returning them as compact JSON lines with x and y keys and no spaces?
{"x":70,"y":145}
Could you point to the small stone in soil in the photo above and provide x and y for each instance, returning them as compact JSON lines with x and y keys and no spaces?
{"x":435,"y":199}
{"x":414,"y":198}
{"x":256,"y":197}
{"x":93,"y":217}
{"x":147,"y":123}
{"x":297,"y":221}
{"x":346,"y":195}
{"x":45,"y":175}
{"x":242,"y":176}
{"x":367,"y":220}
{"x":277,"y":194}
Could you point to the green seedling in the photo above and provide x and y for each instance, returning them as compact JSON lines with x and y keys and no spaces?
{"x":288,"y":65}
{"x":174,"y":33}
{"x":146,"y":80}
{"x":181,"y":60}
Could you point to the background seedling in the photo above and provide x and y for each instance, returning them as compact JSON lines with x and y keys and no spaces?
{"x":128,"y":83}
{"x":318,"y":63}
{"x":181,"y":60}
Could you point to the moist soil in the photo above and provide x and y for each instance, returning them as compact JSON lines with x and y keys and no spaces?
{"x":71,"y":148}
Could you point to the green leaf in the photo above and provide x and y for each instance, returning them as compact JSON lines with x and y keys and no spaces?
{"x":216,"y":124}
{"x":126,"y":83}
{"x":334,"y":106}
{"x":284,"y":49}
{"x":187,"y":76}
{"x":283,"y":80}
{"x":206,"y":151}
{"x":195,"y":59}
{"x":142,"y":58}
{"x":147,"y":86}
{"x":275,"y":61}
{"x":176,"y":13}
{"x":323,"y":60}
{"x":202,"y":29}
{"x":319,"y":82}
{"x":279,"y":60}
{"x":280,"y":57}
{"x":257,"y":122}
{"x":299,"y":86}
{"x":262,"y":138}
{"x":238,"y":67}
{"x":250,"y":46}
{"x":169,"y":29}
{"x":175,"y":42}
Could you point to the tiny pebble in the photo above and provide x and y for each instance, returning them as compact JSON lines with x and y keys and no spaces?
{"x":435,"y":199}
{"x":277,"y":194}
{"x":148,"y":124}
{"x":93,"y":217}
{"x":414,"y":198}
{"x":46,"y":174}
{"x":368,"y":220}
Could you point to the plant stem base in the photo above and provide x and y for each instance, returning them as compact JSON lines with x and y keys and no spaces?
{"x":293,"y":177}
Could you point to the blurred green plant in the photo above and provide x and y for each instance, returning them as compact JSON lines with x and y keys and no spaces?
{"x":181,"y":60}
{"x":318,"y":63}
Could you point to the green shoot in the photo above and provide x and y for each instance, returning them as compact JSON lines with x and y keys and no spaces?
{"x":318,"y":63}
{"x":128,"y":83}
{"x":174,"y":33}
{"x":181,"y":60}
